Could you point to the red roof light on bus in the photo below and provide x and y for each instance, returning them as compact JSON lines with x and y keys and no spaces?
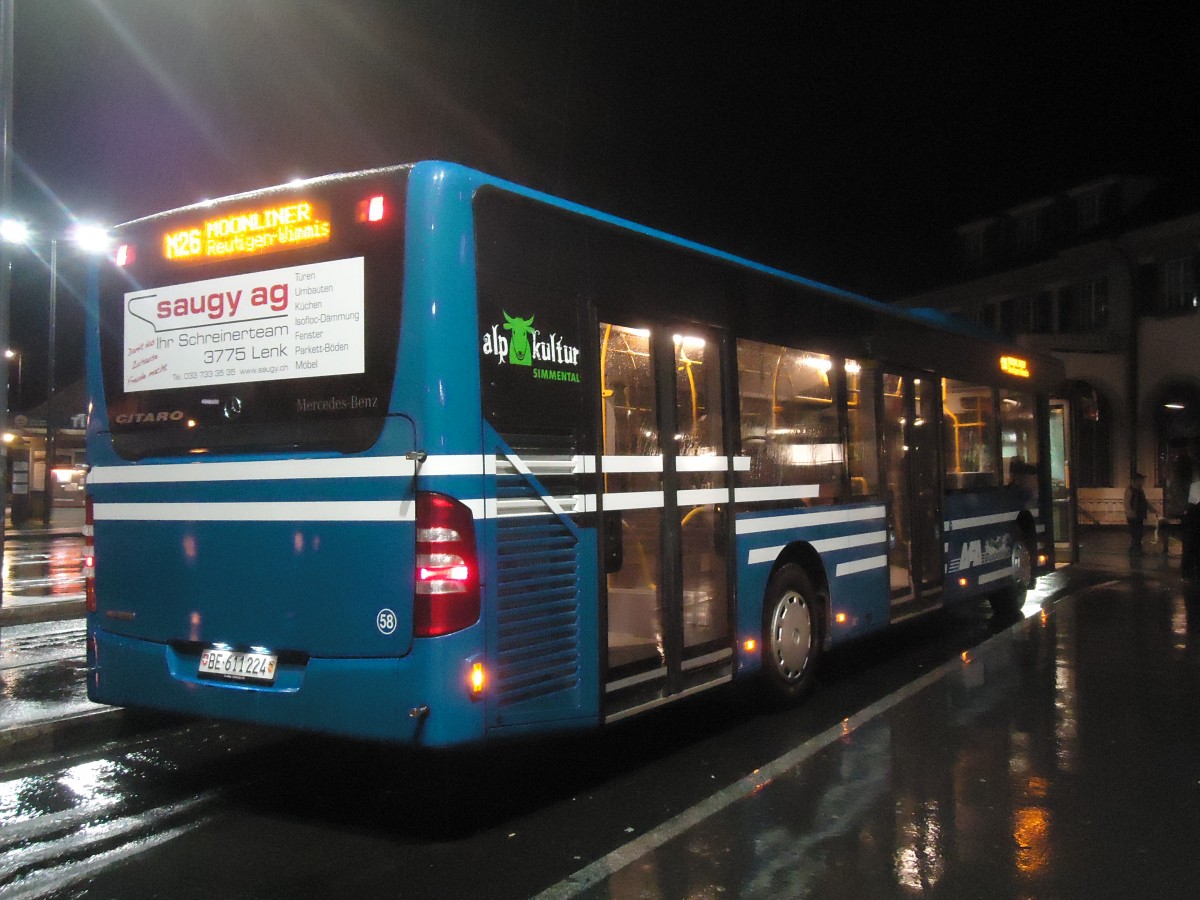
{"x":373,"y":209}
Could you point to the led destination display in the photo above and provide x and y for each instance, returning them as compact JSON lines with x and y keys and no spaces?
{"x":249,"y":232}
{"x":300,"y":321}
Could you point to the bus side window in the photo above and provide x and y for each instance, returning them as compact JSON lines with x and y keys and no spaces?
{"x":861,"y":379}
{"x":968,"y":432}
{"x":789,"y":421}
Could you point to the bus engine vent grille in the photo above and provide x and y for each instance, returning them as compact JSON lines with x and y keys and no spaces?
{"x":537,"y":567}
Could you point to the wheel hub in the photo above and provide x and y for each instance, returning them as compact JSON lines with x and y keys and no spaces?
{"x":791,"y":635}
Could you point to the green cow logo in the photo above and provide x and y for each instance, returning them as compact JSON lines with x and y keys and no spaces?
{"x":544,"y":354}
{"x":520,"y":353}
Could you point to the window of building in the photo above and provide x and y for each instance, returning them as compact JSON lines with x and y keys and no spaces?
{"x":789,"y":420}
{"x":1087,"y":208}
{"x":1095,"y":304}
{"x":1034,"y":314}
{"x":1177,"y":292}
{"x":1083,"y":307}
{"x":988,"y":316}
{"x":968,"y":435}
{"x":1028,"y":232}
{"x":1041,"y":313}
{"x":1022,"y":314}
{"x":1008,"y":317}
{"x":973,"y":255}
{"x":1066,"y":310}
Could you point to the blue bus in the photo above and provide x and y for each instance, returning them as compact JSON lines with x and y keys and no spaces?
{"x":419,"y":455}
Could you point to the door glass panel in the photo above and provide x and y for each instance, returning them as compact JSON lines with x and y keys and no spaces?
{"x":895,"y":473}
{"x":1060,"y":475}
{"x":703,"y":491}
{"x":633,"y":500}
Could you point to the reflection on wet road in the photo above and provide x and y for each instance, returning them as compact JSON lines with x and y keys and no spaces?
{"x":41,"y":570}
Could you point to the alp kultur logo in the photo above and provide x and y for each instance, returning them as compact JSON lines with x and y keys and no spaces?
{"x":525,"y":345}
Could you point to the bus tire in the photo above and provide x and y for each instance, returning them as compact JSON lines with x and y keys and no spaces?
{"x":1009,"y":600}
{"x":792,"y":635}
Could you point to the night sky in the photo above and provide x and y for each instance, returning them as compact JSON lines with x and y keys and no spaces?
{"x":842,"y":141}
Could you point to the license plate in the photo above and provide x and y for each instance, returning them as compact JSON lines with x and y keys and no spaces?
{"x":238,"y":666}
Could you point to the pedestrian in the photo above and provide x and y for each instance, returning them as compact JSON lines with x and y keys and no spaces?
{"x":1136,"y":508}
{"x":1189,"y":565}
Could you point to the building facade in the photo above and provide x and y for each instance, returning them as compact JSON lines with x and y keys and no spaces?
{"x":1104,"y":276}
{"x":39,"y":494}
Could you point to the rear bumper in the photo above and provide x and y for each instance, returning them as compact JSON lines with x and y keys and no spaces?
{"x":355,"y":697}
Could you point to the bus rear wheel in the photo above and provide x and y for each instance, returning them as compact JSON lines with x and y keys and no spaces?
{"x":1009,"y":600}
{"x":792,"y":629}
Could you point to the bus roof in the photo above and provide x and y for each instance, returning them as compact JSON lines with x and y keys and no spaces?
{"x":1050,"y":370}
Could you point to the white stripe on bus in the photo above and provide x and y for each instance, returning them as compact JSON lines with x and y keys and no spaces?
{"x":826,"y":545}
{"x":630,"y":464}
{"x":299,"y":511}
{"x":988,"y":578}
{"x":265,"y":470}
{"x":395,"y":467}
{"x":642,"y":464}
{"x":809,"y":519}
{"x":783,"y":492}
{"x":855,"y":566}
{"x":708,"y":463}
{"x":978,"y":521}
{"x":634,"y":500}
{"x":702,"y":496}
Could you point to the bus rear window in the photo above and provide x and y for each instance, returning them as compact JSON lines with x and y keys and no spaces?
{"x":260,"y":323}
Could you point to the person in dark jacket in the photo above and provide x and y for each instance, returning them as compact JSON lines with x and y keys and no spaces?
{"x":1136,"y":508}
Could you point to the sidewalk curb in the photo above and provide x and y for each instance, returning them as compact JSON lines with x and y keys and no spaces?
{"x":40,"y":534}
{"x":33,"y":613}
{"x":23,"y":742}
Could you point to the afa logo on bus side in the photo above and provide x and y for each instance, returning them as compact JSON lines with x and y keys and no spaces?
{"x":981,"y":553}
{"x":525,"y":345}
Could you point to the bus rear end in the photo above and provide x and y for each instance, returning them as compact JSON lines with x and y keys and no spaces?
{"x":255,"y":519}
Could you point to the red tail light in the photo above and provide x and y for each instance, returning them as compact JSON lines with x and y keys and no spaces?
{"x":89,"y":558}
{"x":447,"y":569}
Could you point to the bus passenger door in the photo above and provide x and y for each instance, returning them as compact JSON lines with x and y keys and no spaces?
{"x":664,"y":475}
{"x":909,"y":452}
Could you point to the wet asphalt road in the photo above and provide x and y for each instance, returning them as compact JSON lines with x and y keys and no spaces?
{"x":41,"y":662}
{"x":958,"y":757}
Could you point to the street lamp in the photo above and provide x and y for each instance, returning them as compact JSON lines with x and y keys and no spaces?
{"x":89,"y":239}
{"x":10,"y":354}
